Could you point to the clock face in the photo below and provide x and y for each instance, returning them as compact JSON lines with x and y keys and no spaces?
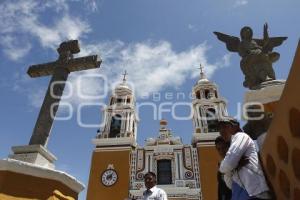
{"x":109,"y":177}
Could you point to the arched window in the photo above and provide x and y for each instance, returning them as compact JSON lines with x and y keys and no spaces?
{"x":119,"y":100}
{"x":216,"y":94}
{"x":212,"y":120}
{"x":198,"y":94}
{"x":111,"y":101}
{"x":164,"y":172}
{"x":133,"y":127}
{"x":115,"y":126}
{"x":206,"y":94}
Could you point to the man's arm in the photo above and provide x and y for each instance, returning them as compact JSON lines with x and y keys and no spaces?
{"x":163,"y":195}
{"x":228,"y":179}
{"x":238,"y":147}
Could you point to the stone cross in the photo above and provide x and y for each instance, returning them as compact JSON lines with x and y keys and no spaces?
{"x":59,"y":70}
{"x":202,"y":75}
{"x":124,"y":75}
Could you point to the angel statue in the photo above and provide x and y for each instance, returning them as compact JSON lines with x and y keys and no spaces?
{"x":257,"y":55}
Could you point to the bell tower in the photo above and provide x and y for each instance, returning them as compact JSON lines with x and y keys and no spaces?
{"x":208,"y":108}
{"x":110,"y":166}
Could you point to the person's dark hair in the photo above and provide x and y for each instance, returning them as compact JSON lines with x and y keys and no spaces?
{"x":151,"y":174}
{"x":219,"y":140}
{"x":232,"y":122}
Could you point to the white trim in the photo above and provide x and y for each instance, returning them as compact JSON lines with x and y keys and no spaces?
{"x":169,"y":147}
{"x":112,"y":149}
{"x":114,"y":141}
{"x":42,"y":172}
{"x":205,"y":137}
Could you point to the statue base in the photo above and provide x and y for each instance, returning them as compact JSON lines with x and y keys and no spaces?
{"x":266,"y":98}
{"x":268,"y":92}
{"x":35,"y":154}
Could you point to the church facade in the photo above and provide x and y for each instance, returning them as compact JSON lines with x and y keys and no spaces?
{"x":184,"y":171}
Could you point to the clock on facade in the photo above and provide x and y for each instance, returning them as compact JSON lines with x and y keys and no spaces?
{"x":109,"y":177}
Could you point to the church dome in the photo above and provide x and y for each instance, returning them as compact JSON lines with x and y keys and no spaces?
{"x":203,"y":81}
{"x":123,"y":88}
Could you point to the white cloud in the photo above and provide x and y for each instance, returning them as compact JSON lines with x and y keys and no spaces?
{"x":23,"y":19}
{"x":192,"y":27}
{"x":239,"y":3}
{"x":13,"y":49}
{"x":152,"y":66}
{"x":36,"y":97}
{"x":63,"y":29}
{"x":92,"y":5}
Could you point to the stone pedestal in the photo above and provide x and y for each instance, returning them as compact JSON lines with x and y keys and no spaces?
{"x":29,"y":173}
{"x":270,"y":91}
{"x":35,"y":154}
{"x":268,"y":94}
{"x":23,"y":180}
{"x":259,"y":107}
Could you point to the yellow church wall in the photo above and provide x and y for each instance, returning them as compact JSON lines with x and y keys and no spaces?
{"x":120,"y":159}
{"x":208,"y":164}
{"x":9,"y":197}
{"x":56,"y":196}
{"x":281,"y":148}
{"x":20,"y":186}
{"x":270,"y":107}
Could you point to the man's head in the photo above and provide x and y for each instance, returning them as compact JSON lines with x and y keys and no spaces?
{"x":150,"y":180}
{"x":221,"y":146}
{"x":228,"y":126}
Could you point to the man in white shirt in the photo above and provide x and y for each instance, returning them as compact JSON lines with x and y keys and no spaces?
{"x":153,"y":192}
{"x":241,"y":159}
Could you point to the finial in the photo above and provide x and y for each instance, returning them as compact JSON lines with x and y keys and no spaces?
{"x":124,"y":76}
{"x":202,"y":75}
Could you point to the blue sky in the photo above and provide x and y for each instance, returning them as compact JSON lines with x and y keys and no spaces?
{"x":160,"y":44}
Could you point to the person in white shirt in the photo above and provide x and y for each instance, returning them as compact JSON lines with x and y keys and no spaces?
{"x":241,"y":159}
{"x":153,"y":192}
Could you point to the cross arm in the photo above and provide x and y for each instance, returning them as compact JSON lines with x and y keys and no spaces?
{"x":76,"y":64}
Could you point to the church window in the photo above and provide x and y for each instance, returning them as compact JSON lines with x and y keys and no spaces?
{"x":128,"y":100}
{"x":198,"y":94}
{"x":133,"y":127}
{"x":119,"y":100}
{"x":216,"y":94}
{"x":164,"y":172}
{"x":111,"y":101}
{"x":115,"y":126}
{"x":206,"y":94}
{"x":212,"y":120}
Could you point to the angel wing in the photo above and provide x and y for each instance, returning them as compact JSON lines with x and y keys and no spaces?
{"x":232,"y":42}
{"x":270,"y":43}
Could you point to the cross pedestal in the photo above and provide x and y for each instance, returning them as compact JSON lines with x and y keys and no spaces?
{"x":35,"y":154}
